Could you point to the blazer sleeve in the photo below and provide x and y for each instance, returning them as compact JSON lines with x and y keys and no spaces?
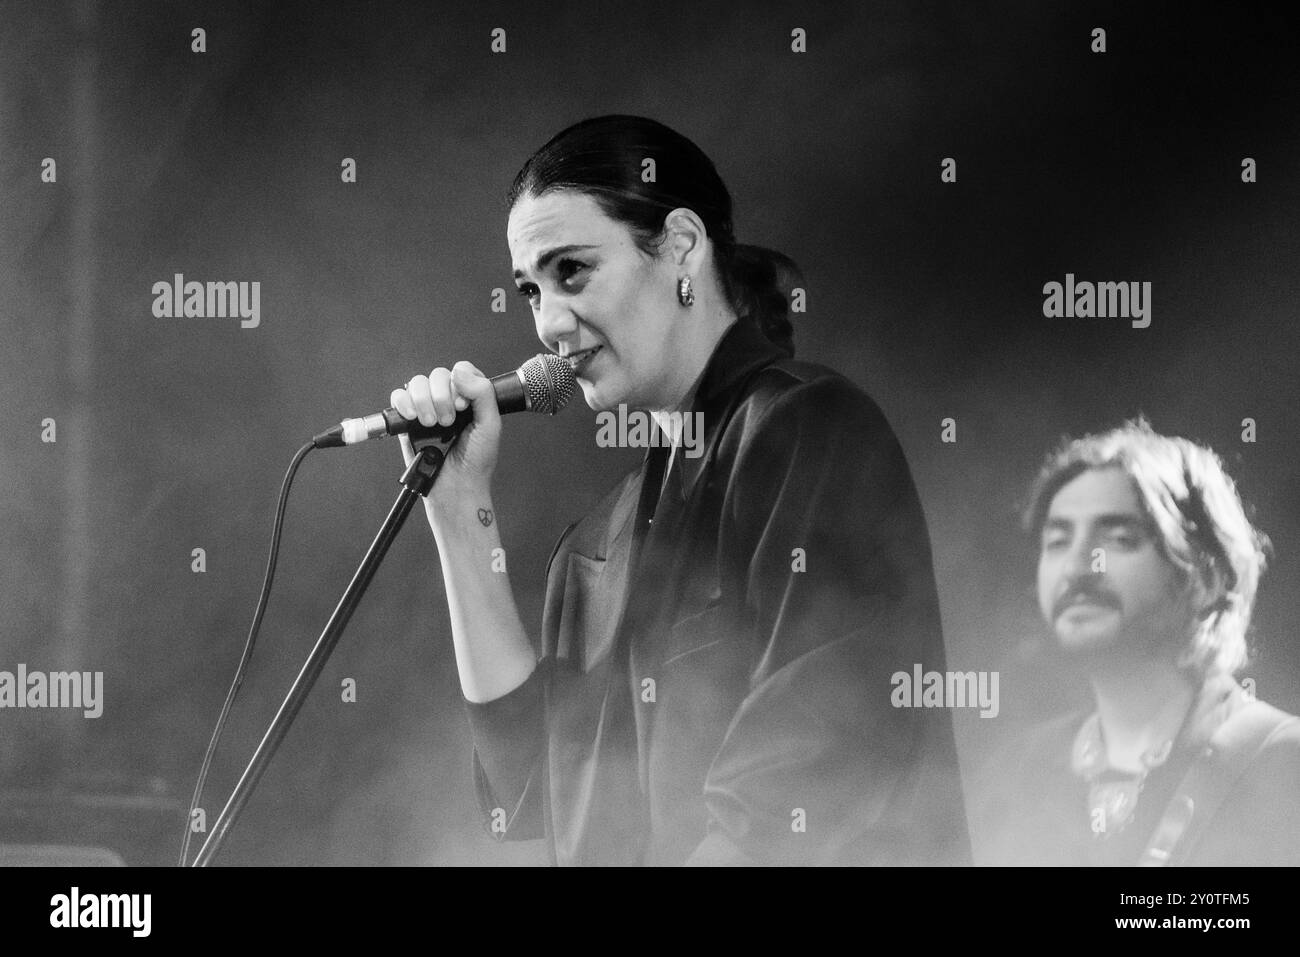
{"x":509,"y":736}
{"x":824,"y":543}
{"x":509,"y":744}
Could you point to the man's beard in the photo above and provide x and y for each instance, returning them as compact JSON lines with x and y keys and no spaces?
{"x":1160,"y":636}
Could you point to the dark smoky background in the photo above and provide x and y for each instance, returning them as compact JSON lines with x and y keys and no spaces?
{"x":174,"y":434}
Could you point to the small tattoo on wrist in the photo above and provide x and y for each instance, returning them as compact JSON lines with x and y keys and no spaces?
{"x":485,"y":516}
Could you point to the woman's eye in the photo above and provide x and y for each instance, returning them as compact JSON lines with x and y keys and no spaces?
{"x":566,"y":268}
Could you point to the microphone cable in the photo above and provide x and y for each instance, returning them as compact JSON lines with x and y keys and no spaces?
{"x":247,"y":656}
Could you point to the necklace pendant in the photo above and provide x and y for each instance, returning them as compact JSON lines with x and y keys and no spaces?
{"x":1112,"y":804}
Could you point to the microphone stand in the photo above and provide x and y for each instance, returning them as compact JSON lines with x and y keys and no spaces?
{"x":416,"y":483}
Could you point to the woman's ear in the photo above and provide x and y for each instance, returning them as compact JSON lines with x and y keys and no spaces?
{"x":685,"y":237}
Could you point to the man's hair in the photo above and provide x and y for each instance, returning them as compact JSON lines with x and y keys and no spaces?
{"x":1202,"y":525}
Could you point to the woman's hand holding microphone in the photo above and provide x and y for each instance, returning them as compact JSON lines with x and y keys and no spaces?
{"x":465,"y":481}
{"x":493,"y":654}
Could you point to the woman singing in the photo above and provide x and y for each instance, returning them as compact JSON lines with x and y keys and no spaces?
{"x":720,"y":633}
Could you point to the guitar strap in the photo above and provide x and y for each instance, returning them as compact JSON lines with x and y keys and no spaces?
{"x":1230,"y":751}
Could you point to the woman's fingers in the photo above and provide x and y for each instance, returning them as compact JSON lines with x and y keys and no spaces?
{"x":421,"y":400}
{"x":475,"y":387}
{"x":436,"y":399}
{"x":444,"y":403}
{"x":401,"y":401}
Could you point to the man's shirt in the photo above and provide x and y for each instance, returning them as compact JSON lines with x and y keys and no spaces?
{"x":1033,"y":807}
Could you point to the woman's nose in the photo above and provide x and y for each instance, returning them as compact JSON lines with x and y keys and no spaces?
{"x":555,"y":322}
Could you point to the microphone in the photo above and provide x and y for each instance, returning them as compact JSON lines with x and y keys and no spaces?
{"x":543,"y":384}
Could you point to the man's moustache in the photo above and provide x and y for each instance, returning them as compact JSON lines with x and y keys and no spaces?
{"x":1092,"y":595}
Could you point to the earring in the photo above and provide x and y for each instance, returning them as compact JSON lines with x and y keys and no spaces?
{"x":685,"y":294}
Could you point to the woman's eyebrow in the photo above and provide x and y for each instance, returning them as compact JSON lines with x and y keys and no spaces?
{"x":545,"y":258}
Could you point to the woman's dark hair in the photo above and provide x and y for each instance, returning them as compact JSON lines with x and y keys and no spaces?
{"x":603,"y":158}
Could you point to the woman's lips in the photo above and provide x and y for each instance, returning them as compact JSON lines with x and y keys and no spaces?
{"x":579,"y":359}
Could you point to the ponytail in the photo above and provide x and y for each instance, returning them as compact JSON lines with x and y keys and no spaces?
{"x":758,"y":282}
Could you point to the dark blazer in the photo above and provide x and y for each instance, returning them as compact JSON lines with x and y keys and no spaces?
{"x":716,"y":663}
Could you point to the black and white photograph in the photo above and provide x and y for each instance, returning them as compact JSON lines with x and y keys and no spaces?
{"x":906,"y":473}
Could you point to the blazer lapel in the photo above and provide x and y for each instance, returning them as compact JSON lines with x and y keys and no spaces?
{"x":587,"y":581}
{"x":741,"y":351}
{"x":644,"y":531}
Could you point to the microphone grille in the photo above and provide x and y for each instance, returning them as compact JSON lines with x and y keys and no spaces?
{"x":548,"y":383}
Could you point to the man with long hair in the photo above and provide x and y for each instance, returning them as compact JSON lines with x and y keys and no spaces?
{"x":1147,"y":571}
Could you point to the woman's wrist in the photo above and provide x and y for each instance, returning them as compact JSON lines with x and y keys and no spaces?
{"x":469,"y":517}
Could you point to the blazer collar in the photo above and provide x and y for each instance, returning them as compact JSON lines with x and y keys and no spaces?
{"x":741,"y":351}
